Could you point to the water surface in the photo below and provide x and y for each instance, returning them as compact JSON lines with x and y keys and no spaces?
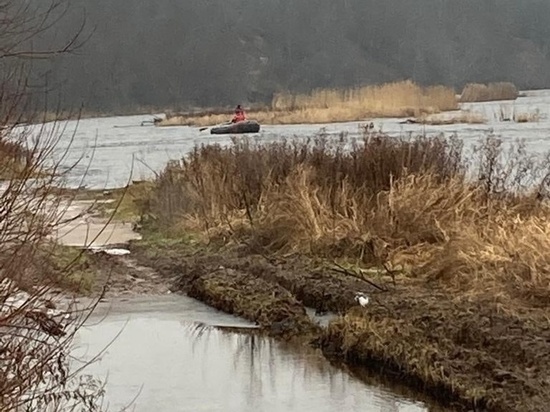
{"x":161,"y":357}
{"x":109,"y":152}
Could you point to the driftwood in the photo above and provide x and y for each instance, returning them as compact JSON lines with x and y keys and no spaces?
{"x":155,"y":121}
{"x":410,"y":121}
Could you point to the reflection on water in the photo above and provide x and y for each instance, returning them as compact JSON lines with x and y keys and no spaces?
{"x":161,"y":357}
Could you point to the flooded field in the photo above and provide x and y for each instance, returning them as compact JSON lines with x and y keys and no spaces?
{"x":110,"y":152}
{"x":157,"y":359}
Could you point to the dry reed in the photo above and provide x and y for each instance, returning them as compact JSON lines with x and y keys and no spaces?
{"x":412,"y":204}
{"x":527,"y":117}
{"x":397,"y":99}
{"x":475,"y":92}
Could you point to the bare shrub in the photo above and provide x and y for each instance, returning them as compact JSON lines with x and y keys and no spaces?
{"x":35,"y":337}
{"x":37,"y":326}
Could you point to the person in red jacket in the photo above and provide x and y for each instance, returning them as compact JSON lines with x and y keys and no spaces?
{"x":239,"y":115}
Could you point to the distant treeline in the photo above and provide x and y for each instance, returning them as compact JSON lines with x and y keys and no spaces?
{"x":196,"y":53}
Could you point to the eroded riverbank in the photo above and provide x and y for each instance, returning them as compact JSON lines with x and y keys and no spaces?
{"x":471,"y":355}
{"x":195,"y":357}
{"x":465,"y":353}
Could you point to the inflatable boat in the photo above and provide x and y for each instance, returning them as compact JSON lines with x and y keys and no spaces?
{"x":247,"y":126}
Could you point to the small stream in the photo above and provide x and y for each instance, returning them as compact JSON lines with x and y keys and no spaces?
{"x":157,"y":358}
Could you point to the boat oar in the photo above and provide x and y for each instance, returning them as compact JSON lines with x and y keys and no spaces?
{"x":202,"y":128}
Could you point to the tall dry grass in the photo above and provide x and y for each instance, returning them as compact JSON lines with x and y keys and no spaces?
{"x":476,"y":92}
{"x":398,"y":99}
{"x":216,"y":180}
{"x":392,"y":99}
{"x":410,"y":204}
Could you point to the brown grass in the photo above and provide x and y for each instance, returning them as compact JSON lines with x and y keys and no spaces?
{"x":405,"y":203}
{"x":475,"y":92}
{"x":527,"y":117}
{"x":397,"y":99}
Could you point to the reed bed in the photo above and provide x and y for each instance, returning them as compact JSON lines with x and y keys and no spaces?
{"x":398,"y":99}
{"x":476,"y":92}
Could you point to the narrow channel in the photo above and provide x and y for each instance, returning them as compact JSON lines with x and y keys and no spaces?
{"x":174,"y":353}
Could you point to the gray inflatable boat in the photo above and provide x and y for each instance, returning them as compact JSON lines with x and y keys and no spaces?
{"x":247,"y":126}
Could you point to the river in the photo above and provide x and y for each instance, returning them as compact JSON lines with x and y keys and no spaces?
{"x":157,"y":359}
{"x":110,"y":152}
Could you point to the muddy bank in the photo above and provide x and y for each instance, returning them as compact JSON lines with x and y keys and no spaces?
{"x":122,"y":276}
{"x":469,"y":354}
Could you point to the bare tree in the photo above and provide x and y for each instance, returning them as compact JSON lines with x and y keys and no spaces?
{"x":37,"y":327}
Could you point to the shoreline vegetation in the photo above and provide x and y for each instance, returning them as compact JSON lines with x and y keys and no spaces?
{"x":397,"y":99}
{"x":402,"y":99}
{"x":452,"y":253}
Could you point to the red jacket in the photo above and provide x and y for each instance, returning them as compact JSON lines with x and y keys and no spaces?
{"x":239,"y":116}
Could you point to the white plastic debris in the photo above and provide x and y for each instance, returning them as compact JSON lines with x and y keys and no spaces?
{"x":117,"y":252}
{"x":113,"y":251}
{"x":362,"y":299}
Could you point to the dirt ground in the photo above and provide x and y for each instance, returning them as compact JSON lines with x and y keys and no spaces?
{"x":122,"y":276}
{"x":468,"y":354}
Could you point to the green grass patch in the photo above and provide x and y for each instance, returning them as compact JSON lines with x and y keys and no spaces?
{"x":71,"y":268}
